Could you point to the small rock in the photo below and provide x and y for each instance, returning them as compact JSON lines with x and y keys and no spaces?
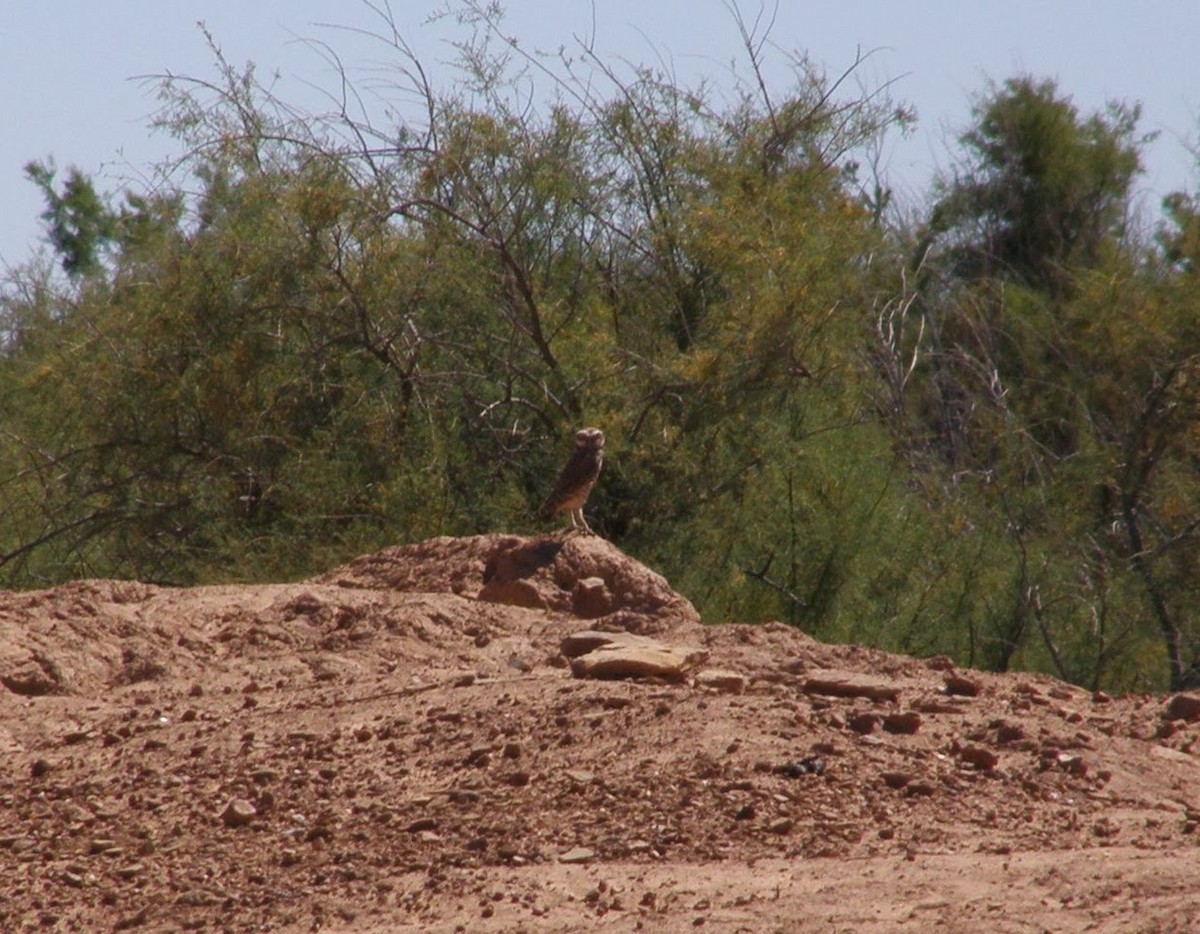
{"x":781,"y":825}
{"x":422,"y":823}
{"x":577,"y":854}
{"x":960,"y":686}
{"x":39,"y":767}
{"x":1183,"y":707}
{"x":517,"y":592}
{"x":863,"y":722}
{"x":725,"y":682}
{"x":896,"y":779}
{"x":31,"y":678}
{"x":512,"y":751}
{"x":580,"y":776}
{"x":238,"y":813}
{"x":1007,"y":732}
{"x":979,"y":757}
{"x":73,"y":879}
{"x":809,"y":765}
{"x":590,"y":599}
{"x":907,"y":722}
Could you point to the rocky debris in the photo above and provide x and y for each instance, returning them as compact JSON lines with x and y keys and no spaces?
{"x":567,"y":572}
{"x":625,"y":655}
{"x":337,"y":753}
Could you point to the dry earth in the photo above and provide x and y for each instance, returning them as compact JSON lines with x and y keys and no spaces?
{"x":401,"y":744}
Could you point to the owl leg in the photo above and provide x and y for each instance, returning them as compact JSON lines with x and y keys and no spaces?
{"x":586,"y":527}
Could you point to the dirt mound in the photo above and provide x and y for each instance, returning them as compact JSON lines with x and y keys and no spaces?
{"x":582,"y":575}
{"x":402,"y":744}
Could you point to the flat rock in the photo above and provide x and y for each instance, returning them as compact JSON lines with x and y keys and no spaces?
{"x":834,"y":683}
{"x":722,"y":680}
{"x":588,"y":640}
{"x":625,"y":655}
{"x":577,"y":854}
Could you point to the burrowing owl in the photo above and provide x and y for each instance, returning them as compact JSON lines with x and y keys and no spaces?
{"x":577,"y":478}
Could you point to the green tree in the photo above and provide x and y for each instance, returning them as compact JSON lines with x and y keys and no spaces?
{"x":78,"y":221}
{"x":1043,"y":191}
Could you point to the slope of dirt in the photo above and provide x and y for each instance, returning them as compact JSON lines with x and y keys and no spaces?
{"x":401,"y":744}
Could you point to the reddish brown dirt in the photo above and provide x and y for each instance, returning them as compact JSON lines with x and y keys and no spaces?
{"x":378,"y":749}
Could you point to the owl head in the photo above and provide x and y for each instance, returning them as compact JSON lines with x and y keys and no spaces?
{"x":589,"y":438}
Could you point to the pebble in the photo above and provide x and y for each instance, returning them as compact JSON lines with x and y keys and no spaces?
{"x":238,"y":813}
{"x":73,"y":879}
{"x":577,"y":854}
{"x":907,"y":722}
{"x":960,"y":686}
{"x":979,"y":757}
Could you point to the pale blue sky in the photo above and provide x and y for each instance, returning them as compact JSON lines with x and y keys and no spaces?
{"x":66,"y":66}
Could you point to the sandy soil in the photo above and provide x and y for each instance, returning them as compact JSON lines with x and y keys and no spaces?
{"x":401,"y":744}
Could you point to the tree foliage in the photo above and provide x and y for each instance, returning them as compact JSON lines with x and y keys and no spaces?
{"x":320,"y":335}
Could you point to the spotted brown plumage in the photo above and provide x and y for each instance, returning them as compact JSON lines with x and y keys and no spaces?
{"x":577,"y":478}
